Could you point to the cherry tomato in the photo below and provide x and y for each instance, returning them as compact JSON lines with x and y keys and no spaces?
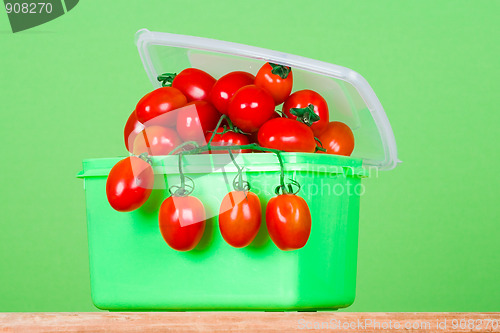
{"x":129,"y":184}
{"x":195,"y":119}
{"x":253,"y":137}
{"x":239,"y":218}
{"x":156,"y":140}
{"x":160,"y":102}
{"x":182,"y":222}
{"x":132,"y":128}
{"x":226,"y":87}
{"x":228,"y":139}
{"x":279,"y":83}
{"x":337,"y":139}
{"x":250,"y":107}
{"x":194,"y":83}
{"x":288,"y":135}
{"x":301,"y":99}
{"x":288,"y":221}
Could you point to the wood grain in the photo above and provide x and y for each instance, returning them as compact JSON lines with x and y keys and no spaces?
{"x":249,"y":321}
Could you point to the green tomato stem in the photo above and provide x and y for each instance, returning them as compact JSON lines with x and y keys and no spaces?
{"x":166,"y":79}
{"x":209,"y":144}
{"x":305,"y":115}
{"x":238,"y":184}
{"x":320,"y":147}
{"x":181,"y":191}
{"x":280,"y":70}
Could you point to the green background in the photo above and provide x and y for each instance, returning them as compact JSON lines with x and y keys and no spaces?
{"x":429,"y":236}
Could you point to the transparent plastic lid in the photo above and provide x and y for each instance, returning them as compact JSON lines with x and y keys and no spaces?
{"x":349,"y":96}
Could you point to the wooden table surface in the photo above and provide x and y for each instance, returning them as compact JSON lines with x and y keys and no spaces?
{"x":248,"y":321}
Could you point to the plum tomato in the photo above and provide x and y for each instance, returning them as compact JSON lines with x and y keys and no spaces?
{"x":194,"y":83}
{"x":240,"y":218}
{"x":129,"y":184}
{"x":288,"y":221}
{"x":337,"y":138}
{"x":195,"y":119}
{"x":288,"y":135}
{"x":182,"y":222}
{"x":276,"y":79}
{"x":301,"y":99}
{"x":160,"y":102}
{"x":250,"y":107}
{"x":253,"y":137}
{"x":132,"y":128}
{"x":156,"y":140}
{"x":225,"y":87}
{"x":229,"y":138}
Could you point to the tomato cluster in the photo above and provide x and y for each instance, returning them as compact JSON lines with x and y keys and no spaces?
{"x":195,"y":113}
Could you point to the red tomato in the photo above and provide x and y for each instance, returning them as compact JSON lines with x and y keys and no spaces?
{"x":194,"y":83}
{"x":337,"y":139}
{"x":228,"y":139}
{"x":156,"y":140}
{"x":159,"y":102}
{"x":279,"y":84}
{"x":129,"y":184}
{"x":288,"y":221}
{"x":301,"y":99}
{"x":253,"y":137}
{"x":239,"y":218}
{"x":132,"y":128}
{"x":226,"y":87}
{"x":195,"y":119}
{"x":288,"y":135}
{"x":250,"y":107}
{"x":182,"y":222}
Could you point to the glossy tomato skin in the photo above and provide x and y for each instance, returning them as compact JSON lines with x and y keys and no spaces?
{"x":337,"y":138}
{"x":279,"y":88}
{"x":132,"y":128}
{"x":240,"y":218}
{"x":288,"y":221}
{"x":195,"y":119}
{"x":160,"y":102}
{"x":253,"y":137}
{"x":288,"y":135}
{"x":182,"y":222}
{"x":156,"y":140}
{"x":228,"y":139}
{"x":301,"y":99}
{"x":250,"y":107}
{"x":194,"y":83}
{"x":225,"y":88}
{"x":129,"y":184}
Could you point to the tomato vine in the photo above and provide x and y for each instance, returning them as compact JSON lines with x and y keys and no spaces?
{"x":184,"y":189}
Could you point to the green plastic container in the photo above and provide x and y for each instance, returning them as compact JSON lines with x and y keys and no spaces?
{"x":132,"y":268}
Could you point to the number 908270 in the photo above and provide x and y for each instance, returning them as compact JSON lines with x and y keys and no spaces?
{"x":28,"y":8}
